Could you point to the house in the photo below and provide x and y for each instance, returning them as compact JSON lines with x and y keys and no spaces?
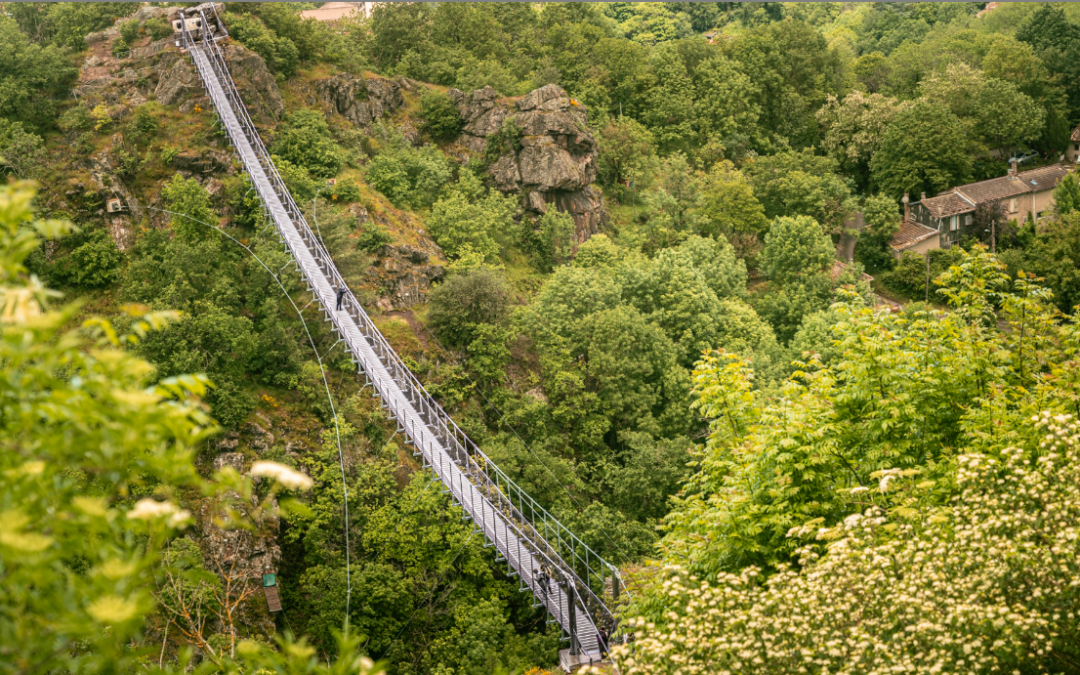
{"x":990,"y":6}
{"x":1072,"y":153}
{"x":335,"y":11}
{"x":1020,"y":193}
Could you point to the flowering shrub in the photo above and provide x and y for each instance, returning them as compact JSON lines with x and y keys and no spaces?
{"x":986,"y":583}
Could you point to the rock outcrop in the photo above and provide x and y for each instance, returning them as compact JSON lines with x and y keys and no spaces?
{"x":358,"y":99}
{"x":406,"y":273}
{"x":179,"y":83}
{"x":556,"y":162}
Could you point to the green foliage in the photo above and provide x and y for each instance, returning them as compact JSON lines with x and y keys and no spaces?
{"x":76,"y":118}
{"x":70,"y":22}
{"x":551,"y":239}
{"x":21,"y":152}
{"x":97,"y":263}
{"x":441,"y":118}
{"x":143,"y":121}
{"x":129,"y":31}
{"x":801,"y":184}
{"x":373,"y":237}
{"x":188,"y":198}
{"x":464,"y":302}
{"x":280,"y":53}
{"x":466,"y":221}
{"x":909,"y":275}
{"x":728,"y":205}
{"x":35,"y":76}
{"x":300,"y":183}
{"x":345,"y":192}
{"x":159,"y":29}
{"x":120,"y":48}
{"x":1067,"y":195}
{"x":304,"y":140}
{"x":169,"y":153}
{"x":796,"y":247}
{"x":922,"y":151}
{"x":626,"y":148}
{"x":408,"y":176}
{"x":882,"y":218}
{"x":93,"y":494}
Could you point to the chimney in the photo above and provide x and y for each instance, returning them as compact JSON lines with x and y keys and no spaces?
{"x":1012,"y":171}
{"x":907,"y":206}
{"x":923,"y":196}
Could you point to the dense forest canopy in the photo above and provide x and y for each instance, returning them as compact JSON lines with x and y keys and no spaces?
{"x":614,"y":241}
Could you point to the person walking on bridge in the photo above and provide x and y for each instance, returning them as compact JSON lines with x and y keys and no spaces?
{"x":341,"y":291}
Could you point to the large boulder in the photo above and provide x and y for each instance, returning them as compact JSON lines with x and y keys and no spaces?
{"x":358,"y":99}
{"x":178,"y":82}
{"x":556,"y":162}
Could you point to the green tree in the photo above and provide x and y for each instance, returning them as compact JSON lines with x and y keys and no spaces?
{"x":1067,"y":195}
{"x":728,"y":205}
{"x":441,"y":118}
{"x":796,"y":247}
{"x":21,"y":153}
{"x":465,"y":301}
{"x":70,"y":22}
{"x":304,"y":140}
{"x":801,"y":184}
{"x":626,"y":148}
{"x":923,"y":150}
{"x":32,"y":77}
{"x":854,"y":128}
{"x":466,"y":221}
{"x":186,"y":197}
{"x":726,"y":100}
{"x":882,"y":218}
{"x":408,"y":176}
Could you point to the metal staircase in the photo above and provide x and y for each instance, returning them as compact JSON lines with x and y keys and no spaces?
{"x":582,"y":586}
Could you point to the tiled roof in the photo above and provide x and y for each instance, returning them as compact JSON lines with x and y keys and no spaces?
{"x":994,"y":189}
{"x":1045,"y":177}
{"x":910,"y":233}
{"x":1075,"y":134}
{"x":948,"y":204}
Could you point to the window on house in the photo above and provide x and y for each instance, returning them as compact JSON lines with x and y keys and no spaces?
{"x":1012,"y":206}
{"x":1076,"y":146}
{"x":954,"y":222}
{"x":967,"y":220}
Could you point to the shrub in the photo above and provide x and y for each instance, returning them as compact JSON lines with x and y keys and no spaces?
{"x":120,"y":48}
{"x":304,"y":140}
{"x":441,"y":118}
{"x":159,"y":29}
{"x":463,"y":219}
{"x":346,"y":192}
{"x":76,"y":118}
{"x":169,"y":153}
{"x":101,"y":116}
{"x":372,"y":238}
{"x":143,"y":121}
{"x":409,"y":177}
{"x":97,"y":263}
{"x":552,"y":240}
{"x":909,"y":276}
{"x":464,"y":301}
{"x":129,"y":31}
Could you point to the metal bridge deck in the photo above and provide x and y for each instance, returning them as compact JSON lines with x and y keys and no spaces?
{"x":514,"y":539}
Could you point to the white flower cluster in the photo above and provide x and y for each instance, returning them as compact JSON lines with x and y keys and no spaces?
{"x":150,"y":509}
{"x":990,"y":584}
{"x":290,"y":478}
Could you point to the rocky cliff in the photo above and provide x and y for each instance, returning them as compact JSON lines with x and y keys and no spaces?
{"x":359,"y":99}
{"x":551,"y":164}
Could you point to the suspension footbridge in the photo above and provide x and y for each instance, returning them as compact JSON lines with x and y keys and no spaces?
{"x":575,"y":585}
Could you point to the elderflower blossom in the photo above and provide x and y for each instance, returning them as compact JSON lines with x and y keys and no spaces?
{"x":150,"y":509}
{"x":290,"y":478}
{"x":980,"y":586}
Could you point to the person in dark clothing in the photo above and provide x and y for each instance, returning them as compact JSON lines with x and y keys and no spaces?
{"x":542,"y":582}
{"x":605,"y":637}
{"x":340,"y":296}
